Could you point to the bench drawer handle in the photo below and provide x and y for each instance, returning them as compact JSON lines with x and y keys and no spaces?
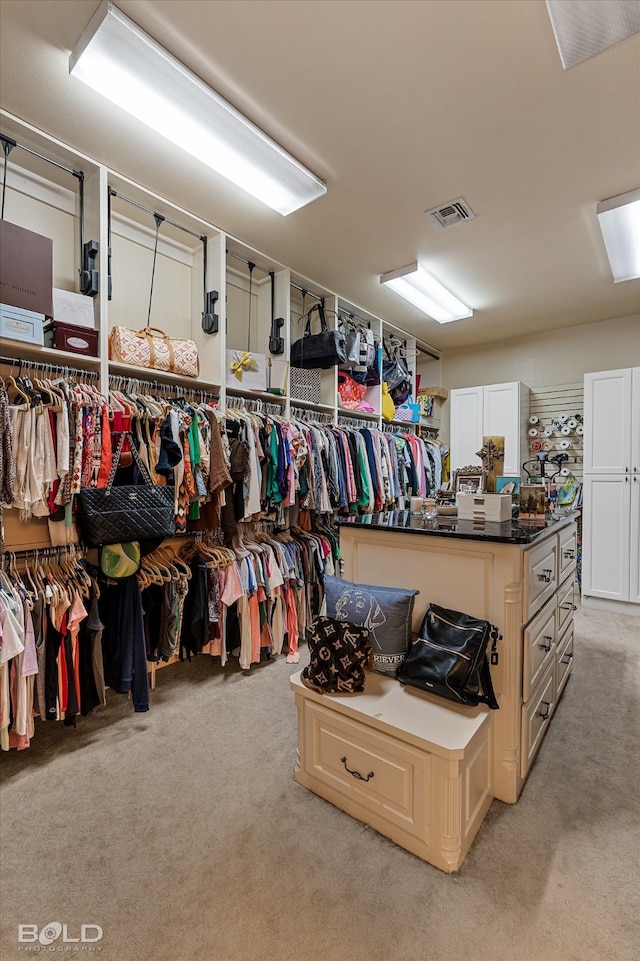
{"x":356,"y":774}
{"x":544,"y":716}
{"x":566,"y":658}
{"x":545,"y":576}
{"x":548,"y":645}
{"x":569,"y":553}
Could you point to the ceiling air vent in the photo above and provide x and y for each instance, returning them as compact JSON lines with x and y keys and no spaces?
{"x":448,"y":215}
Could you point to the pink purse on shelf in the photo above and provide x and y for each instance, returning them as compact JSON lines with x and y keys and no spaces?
{"x":154,"y":349}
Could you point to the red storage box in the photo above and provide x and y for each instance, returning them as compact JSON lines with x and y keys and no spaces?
{"x":76,"y":340}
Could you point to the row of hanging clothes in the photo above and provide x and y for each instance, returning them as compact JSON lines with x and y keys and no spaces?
{"x":68,"y":632}
{"x":50,"y":642}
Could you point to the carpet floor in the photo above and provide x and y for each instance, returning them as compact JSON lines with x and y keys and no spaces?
{"x":183,"y":835}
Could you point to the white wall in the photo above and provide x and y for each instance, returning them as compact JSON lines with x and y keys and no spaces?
{"x":556,"y":357}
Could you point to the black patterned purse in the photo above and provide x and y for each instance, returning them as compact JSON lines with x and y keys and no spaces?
{"x":339,"y":652}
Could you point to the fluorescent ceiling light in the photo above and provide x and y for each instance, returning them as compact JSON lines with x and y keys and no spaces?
{"x":426,"y":293}
{"x":123,"y":63}
{"x":620,"y":225}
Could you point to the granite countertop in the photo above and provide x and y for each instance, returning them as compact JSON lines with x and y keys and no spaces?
{"x":509,"y":532}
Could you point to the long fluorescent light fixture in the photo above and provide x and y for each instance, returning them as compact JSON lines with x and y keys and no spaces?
{"x":619,"y":219}
{"x":123,"y":63}
{"x":426,"y":293}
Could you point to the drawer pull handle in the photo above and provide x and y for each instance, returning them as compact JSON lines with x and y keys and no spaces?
{"x":548,"y":645}
{"x":569,"y":607}
{"x":544,"y":716}
{"x":356,"y":774}
{"x":545,"y":576}
{"x":570,"y":554}
{"x":566,"y":658}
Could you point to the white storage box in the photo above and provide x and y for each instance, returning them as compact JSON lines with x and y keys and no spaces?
{"x":484,"y":507}
{"x":246,"y":370}
{"x":72,"y":308}
{"x":17,"y":323}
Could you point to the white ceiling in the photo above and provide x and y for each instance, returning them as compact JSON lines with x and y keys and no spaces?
{"x":399,"y":106}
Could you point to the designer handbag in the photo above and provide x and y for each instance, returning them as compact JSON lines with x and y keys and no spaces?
{"x":142,"y":349}
{"x":449,"y":657}
{"x":339,"y":652}
{"x":323,"y":350}
{"x":132,"y":512}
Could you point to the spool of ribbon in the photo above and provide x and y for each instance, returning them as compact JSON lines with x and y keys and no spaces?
{"x":565,"y":444}
{"x":564,"y":472}
{"x":563,"y":418}
{"x":533,"y":432}
{"x":548,"y":432}
{"x":579,"y":429}
{"x":565,"y":430}
{"x":242,"y":361}
{"x":547,"y":445}
{"x":534,"y":419}
{"x":536,"y":445}
{"x":572,"y":423}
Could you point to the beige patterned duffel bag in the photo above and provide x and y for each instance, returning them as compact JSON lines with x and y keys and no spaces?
{"x":153,"y":348}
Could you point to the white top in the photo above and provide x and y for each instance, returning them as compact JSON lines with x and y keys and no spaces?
{"x":421,"y":719}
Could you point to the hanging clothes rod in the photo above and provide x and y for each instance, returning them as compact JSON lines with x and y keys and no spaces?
{"x":349,"y":315}
{"x":13,"y":143}
{"x":8,"y":143}
{"x":141,"y":386}
{"x":305,"y":292}
{"x":250,"y":264}
{"x":148,"y":210}
{"x":48,"y":367}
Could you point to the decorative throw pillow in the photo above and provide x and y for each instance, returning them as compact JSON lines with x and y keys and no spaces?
{"x":385,"y":611}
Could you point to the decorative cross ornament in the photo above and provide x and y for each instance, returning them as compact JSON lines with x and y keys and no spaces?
{"x":489,"y":453}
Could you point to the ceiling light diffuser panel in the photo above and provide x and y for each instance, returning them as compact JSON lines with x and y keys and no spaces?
{"x":426,"y":293}
{"x":123,"y":63}
{"x":619,"y":219}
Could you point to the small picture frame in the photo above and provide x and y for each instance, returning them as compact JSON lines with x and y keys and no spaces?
{"x":471,"y":480}
{"x":508,"y":485}
{"x":532,"y":501}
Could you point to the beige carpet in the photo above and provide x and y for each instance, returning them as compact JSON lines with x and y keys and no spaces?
{"x":182,"y":833}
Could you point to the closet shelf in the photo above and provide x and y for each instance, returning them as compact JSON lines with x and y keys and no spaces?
{"x":195,"y":384}
{"x":257,"y":395}
{"x":46,"y":355}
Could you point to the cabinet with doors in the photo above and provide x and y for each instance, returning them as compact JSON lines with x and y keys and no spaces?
{"x":495,"y":409}
{"x":611,"y":499}
{"x":417,"y":768}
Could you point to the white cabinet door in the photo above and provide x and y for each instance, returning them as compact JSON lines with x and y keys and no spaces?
{"x":465,"y":430}
{"x":606,"y":534}
{"x":607,"y":422}
{"x":634,"y":537}
{"x":504,"y":417}
{"x":635,"y":419}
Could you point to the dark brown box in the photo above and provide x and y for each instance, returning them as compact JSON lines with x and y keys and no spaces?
{"x":26,"y":269}
{"x":75,"y":339}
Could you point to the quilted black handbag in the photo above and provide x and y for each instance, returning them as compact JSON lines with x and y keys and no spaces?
{"x":324,"y":350}
{"x":132,"y":512}
{"x":449,"y":657}
{"x":339,"y":652}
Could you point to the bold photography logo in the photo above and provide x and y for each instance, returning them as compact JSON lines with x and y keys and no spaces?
{"x":55,"y":931}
